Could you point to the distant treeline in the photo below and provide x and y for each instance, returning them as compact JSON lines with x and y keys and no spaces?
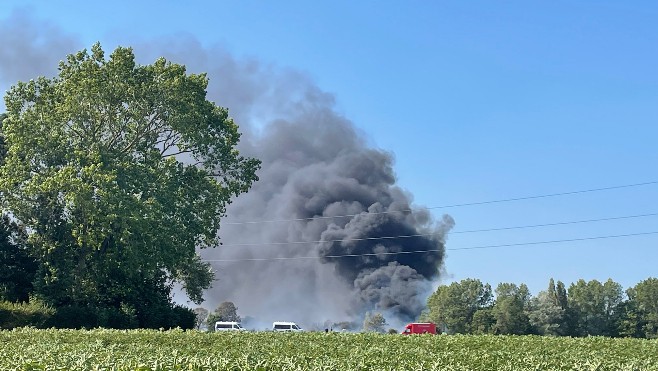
{"x":583,"y":309}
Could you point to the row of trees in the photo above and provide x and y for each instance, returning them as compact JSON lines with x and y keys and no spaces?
{"x":112,"y":174}
{"x":582,"y":309}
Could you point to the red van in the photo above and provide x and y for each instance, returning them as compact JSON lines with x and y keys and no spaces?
{"x":419,"y":328}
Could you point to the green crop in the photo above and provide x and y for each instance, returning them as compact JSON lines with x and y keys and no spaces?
{"x":32,"y":349}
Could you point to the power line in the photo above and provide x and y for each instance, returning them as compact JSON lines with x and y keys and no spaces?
{"x":553,"y":241}
{"x":448,"y":206}
{"x":556,"y":224}
{"x":430,"y":250}
{"x":438,"y":233}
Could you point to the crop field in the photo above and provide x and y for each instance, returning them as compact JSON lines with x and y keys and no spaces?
{"x":31,"y":349}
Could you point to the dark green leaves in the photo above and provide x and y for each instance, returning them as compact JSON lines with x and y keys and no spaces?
{"x":114,"y":165}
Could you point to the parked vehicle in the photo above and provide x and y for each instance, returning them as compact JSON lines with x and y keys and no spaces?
{"x":228,"y":326}
{"x":286,"y":327}
{"x":419,"y":328}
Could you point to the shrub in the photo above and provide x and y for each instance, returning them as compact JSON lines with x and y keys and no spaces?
{"x":74,"y":317}
{"x":33,"y":313}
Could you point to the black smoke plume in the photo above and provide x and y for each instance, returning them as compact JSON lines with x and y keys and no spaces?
{"x":282,"y":240}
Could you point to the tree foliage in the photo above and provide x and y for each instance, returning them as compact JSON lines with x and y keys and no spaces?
{"x":118,"y":172}
{"x":201,"y":314}
{"x":546,"y":316}
{"x":483,"y":322}
{"x":226,"y":311}
{"x":595,"y":307}
{"x":18,"y":267}
{"x":587,"y":308}
{"x":643,"y":300}
{"x":510,"y":309}
{"x":548,"y":311}
{"x":454,"y":306}
{"x":374,"y":322}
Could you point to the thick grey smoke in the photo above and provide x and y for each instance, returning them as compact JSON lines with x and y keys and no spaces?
{"x":281,"y":239}
{"x":316,"y":169}
{"x":30,"y":48}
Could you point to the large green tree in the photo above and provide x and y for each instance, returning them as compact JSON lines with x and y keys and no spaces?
{"x":454,"y":306}
{"x":595,"y":307}
{"x":483,"y":322}
{"x":561,"y":297}
{"x":510,"y":309}
{"x":119,"y":172}
{"x":17,"y":266}
{"x":546,"y":314}
{"x":641,"y":310}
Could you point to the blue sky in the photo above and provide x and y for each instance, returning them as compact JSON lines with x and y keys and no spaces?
{"x":476,"y":100}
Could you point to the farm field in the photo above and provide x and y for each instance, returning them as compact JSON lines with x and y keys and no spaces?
{"x":32,"y":349}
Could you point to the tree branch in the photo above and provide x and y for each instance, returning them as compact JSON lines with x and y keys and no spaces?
{"x":174,"y":154}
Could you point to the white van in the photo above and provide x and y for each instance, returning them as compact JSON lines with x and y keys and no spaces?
{"x":228,"y":326}
{"x":286,"y":327}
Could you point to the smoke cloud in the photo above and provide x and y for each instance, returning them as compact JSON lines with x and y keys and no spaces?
{"x":283,"y":240}
{"x":317,"y":168}
{"x":31,"y":48}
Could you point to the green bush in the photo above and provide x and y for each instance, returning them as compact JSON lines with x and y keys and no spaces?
{"x":164,"y":315}
{"x":40,"y":315}
{"x":183,"y":317}
{"x":74,"y":317}
{"x":33,"y":313}
{"x":77,"y":317}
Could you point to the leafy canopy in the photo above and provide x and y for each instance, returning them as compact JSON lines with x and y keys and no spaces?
{"x":374,"y":322}
{"x":226,"y":311}
{"x":119,"y":170}
{"x":454,"y":306}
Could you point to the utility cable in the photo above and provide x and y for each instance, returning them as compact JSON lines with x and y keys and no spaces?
{"x":438,"y":233}
{"x":448,"y":206}
{"x":429,"y":250}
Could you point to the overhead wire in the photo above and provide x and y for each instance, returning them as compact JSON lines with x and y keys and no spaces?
{"x":435,"y":233}
{"x":438,"y":233}
{"x":447,"y":206}
{"x":430,"y":250}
